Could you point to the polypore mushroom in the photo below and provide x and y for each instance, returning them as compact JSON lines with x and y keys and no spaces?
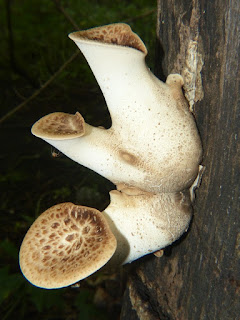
{"x":64,"y":245}
{"x":153,"y":143}
{"x":68,"y":242}
{"x":151,"y":152}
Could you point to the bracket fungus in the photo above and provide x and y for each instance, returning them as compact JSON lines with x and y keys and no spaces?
{"x":152,"y":154}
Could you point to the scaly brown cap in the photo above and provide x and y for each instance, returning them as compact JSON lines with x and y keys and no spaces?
{"x":64,"y":245}
{"x":116,"y":33}
{"x":59,"y":126}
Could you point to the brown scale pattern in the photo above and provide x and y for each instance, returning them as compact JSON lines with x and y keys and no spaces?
{"x":60,"y":124}
{"x":118,"y":33}
{"x":64,"y":241}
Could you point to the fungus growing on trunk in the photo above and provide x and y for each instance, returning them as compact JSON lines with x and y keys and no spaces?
{"x":151,"y":153}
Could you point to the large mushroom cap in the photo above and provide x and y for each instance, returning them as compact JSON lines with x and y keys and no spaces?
{"x":64,"y":245}
{"x":59,"y":126}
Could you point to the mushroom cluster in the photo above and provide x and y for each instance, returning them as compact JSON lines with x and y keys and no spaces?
{"x":151,"y":153}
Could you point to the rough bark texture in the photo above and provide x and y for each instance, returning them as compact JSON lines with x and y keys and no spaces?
{"x":198,"y":277}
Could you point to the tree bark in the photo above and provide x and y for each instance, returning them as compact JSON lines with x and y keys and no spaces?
{"x":198,"y":276}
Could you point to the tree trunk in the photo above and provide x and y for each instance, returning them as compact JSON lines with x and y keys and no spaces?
{"x":198,"y":276}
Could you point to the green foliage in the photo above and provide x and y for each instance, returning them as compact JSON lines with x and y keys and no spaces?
{"x":44,"y":300}
{"x":9,"y":249}
{"x":9,"y":283}
{"x":40,"y":32}
{"x":86,"y":309}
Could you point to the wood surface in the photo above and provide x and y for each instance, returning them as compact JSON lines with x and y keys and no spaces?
{"x":199,"y":276}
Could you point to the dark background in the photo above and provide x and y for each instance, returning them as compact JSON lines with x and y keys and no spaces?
{"x":38,"y":61}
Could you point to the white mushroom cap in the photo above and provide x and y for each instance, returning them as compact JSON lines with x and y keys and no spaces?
{"x":60,"y":126}
{"x":64,"y":245}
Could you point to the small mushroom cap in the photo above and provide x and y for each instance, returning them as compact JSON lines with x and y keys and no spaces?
{"x":59,"y":126}
{"x":66,"y":243}
{"x":116,"y":34}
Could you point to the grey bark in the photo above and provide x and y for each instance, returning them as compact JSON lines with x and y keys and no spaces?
{"x":198,"y":276}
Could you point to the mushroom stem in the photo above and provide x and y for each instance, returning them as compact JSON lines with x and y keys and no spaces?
{"x":68,"y":242}
{"x":121,"y":73}
{"x":93,"y":150}
{"x":145,"y":223}
{"x":153,"y":144}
